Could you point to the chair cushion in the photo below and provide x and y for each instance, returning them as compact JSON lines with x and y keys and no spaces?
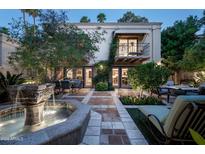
{"x":160,"y":111}
{"x":176,"y":110}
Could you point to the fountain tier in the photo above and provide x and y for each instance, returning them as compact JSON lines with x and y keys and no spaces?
{"x":33,"y":98}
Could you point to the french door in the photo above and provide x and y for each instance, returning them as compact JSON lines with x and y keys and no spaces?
{"x":88,"y":75}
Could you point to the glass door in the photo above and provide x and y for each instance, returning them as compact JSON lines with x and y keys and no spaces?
{"x":115,"y":77}
{"x":124,"y":78}
{"x":88,"y":77}
{"x":79,"y":74}
{"x":69,"y":74}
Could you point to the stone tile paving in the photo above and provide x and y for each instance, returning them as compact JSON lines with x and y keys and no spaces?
{"x":100,"y":101}
{"x":110,"y":123}
{"x":101,"y":94}
{"x":81,"y":92}
{"x":134,"y":134}
{"x":80,"y":96}
{"x":77,"y":98}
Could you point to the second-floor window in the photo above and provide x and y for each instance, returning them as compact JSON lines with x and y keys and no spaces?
{"x":127,"y":46}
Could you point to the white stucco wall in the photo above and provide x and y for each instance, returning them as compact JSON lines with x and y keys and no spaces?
{"x":6,"y":48}
{"x":152,"y":31}
{"x":156,"y":43}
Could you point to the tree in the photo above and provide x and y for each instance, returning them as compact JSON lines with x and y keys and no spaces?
{"x":194,"y":57}
{"x":176,"y":39}
{"x":34,"y":13}
{"x":84,"y":19}
{"x":24,"y":16}
{"x":4,"y":30}
{"x":202,"y":20}
{"x":101,"y":18}
{"x":55,"y":44}
{"x":148,"y":76}
{"x":130,"y":17}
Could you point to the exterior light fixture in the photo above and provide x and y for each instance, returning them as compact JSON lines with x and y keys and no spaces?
{"x":101,"y":67}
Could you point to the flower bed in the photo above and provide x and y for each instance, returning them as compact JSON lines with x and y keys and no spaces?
{"x":133,"y":100}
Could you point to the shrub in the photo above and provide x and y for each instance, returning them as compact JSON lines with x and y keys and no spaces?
{"x":132,"y":100}
{"x":101,"y":86}
{"x":148,"y":76}
{"x":102,"y":72}
{"x":6,"y":80}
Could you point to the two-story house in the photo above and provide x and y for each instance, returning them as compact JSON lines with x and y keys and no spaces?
{"x":136,"y":43}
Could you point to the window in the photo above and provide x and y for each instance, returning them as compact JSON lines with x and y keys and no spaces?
{"x":124,"y":78}
{"x":79,"y":73}
{"x":115,"y":77}
{"x":69,"y":73}
{"x":127,"y":46}
{"x":88,"y":77}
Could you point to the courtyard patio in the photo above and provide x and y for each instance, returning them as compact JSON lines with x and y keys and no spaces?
{"x":110,"y":123}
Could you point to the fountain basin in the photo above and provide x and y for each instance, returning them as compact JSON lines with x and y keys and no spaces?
{"x":70,"y":131}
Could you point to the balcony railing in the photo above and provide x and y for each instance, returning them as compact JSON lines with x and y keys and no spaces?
{"x":132,"y":49}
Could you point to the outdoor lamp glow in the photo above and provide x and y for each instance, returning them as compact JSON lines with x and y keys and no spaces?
{"x":101,"y":66}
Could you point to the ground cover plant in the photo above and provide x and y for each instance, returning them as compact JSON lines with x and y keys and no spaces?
{"x":133,"y":100}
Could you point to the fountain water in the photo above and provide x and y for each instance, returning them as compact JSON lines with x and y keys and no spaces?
{"x":16,"y":103}
{"x":37,"y":119}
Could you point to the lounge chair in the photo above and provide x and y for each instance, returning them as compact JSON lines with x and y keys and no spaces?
{"x":173,"y":125}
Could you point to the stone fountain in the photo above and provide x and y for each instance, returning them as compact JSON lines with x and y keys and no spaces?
{"x":33,"y":98}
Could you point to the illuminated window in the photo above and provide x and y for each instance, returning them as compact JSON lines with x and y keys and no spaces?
{"x":115,"y":77}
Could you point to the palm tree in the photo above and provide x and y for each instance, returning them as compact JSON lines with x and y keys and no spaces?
{"x":24,"y":16}
{"x":34,"y":13}
{"x":31,"y":12}
{"x":101,"y":17}
{"x":84,"y":19}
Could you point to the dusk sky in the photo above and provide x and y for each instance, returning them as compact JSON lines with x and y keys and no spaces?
{"x":167,"y":17}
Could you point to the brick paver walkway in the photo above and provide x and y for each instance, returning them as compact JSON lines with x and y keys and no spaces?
{"x":110,"y":123}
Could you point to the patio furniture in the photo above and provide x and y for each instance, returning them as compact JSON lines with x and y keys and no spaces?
{"x":190,"y":82}
{"x":174,"y":124}
{"x":177,"y":90}
{"x":202,"y":89}
{"x":76,"y":84}
{"x":58,"y":87}
{"x":164,"y":91}
{"x":65,"y":84}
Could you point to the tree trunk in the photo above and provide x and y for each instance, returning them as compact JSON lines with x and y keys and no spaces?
{"x":141,"y":92}
{"x":34,"y":25}
{"x":24,"y":20}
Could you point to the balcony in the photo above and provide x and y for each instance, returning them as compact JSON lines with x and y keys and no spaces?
{"x":132,"y":52}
